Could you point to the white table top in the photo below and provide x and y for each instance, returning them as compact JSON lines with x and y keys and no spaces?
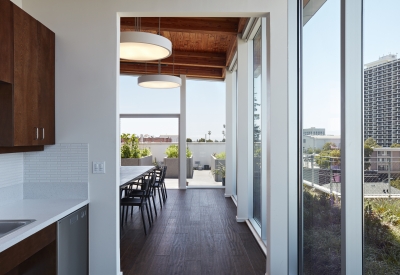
{"x":128,"y":173}
{"x":44,"y":211}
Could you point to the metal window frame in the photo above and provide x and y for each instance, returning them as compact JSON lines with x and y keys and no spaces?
{"x":351,"y":51}
{"x":352,"y":136}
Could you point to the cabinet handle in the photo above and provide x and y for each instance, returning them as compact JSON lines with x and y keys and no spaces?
{"x":42,"y":133}
{"x":37,"y":133}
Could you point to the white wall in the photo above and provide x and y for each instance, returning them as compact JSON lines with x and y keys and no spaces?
{"x":201,"y":151}
{"x":11,"y":177}
{"x":11,"y":169}
{"x":318,"y":142}
{"x":87,"y":92}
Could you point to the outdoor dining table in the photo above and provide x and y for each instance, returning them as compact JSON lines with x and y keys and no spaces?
{"x":129,"y":173}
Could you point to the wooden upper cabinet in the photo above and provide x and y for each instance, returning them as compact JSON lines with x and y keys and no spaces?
{"x":6,"y":41}
{"x":46,"y":85}
{"x":27,"y":114}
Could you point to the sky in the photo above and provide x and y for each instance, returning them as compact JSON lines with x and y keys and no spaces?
{"x":321,"y":56}
{"x":205,"y":108}
{"x":321,"y":78}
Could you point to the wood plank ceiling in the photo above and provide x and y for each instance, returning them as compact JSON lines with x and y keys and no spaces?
{"x":202,"y":47}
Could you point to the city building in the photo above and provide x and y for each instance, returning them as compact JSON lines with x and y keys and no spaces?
{"x":382,"y":100}
{"x":148,"y":138}
{"x":314,"y":131}
{"x":174,"y":138}
{"x":385,"y":159}
{"x":317,"y":142}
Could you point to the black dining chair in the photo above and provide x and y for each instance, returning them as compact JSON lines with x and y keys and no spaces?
{"x":160,"y":184}
{"x":163,"y":186}
{"x":140,"y":200}
{"x":150,"y":195}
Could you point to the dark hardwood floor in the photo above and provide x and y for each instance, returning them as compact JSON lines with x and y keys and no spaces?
{"x":195,"y":233}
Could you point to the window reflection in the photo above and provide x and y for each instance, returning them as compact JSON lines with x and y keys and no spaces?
{"x":381,"y":137}
{"x":257,"y":127}
{"x":321,"y":211}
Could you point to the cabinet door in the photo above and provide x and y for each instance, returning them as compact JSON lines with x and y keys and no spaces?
{"x":46,"y":85}
{"x":6,"y":38}
{"x":25,"y":79}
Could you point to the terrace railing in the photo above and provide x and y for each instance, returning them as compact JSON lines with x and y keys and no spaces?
{"x":381,"y":175}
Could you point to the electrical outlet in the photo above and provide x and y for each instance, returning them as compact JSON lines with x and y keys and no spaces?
{"x":99,"y":167}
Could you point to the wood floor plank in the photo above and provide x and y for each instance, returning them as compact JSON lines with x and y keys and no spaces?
{"x":243,"y":265}
{"x":192,"y":267}
{"x":165,"y":245}
{"x":256,"y":256}
{"x":193,"y":240}
{"x":158,"y":265}
{"x":195,"y":233}
{"x":176,"y":264}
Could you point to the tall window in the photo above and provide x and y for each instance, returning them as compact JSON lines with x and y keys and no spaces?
{"x":321,"y":193}
{"x":381,"y":93}
{"x":257,"y":127}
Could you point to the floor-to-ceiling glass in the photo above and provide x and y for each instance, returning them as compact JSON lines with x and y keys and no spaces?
{"x":151,"y":141}
{"x":234,"y":188}
{"x":205,"y":132}
{"x":321,"y":185}
{"x":381,"y":93}
{"x":257,"y":138}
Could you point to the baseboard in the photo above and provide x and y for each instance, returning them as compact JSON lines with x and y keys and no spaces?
{"x":227,"y":195}
{"x":260,"y":242}
{"x":240,"y":219}
{"x":234,"y":200}
{"x":204,"y":187}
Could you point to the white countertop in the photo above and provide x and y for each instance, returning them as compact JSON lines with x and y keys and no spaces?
{"x":44,"y":211}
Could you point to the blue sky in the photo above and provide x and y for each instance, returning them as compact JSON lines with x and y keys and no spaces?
{"x":321,"y":56}
{"x":321,"y":59}
{"x":205,"y":107}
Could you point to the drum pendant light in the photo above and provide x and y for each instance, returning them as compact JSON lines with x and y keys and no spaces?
{"x":143,"y":46}
{"x":158,"y":81}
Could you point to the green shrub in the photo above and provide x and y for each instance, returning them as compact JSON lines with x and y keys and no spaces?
{"x":220,"y":170}
{"x":322,"y":223}
{"x":130,"y":148}
{"x":188,"y":152}
{"x":146,"y":152}
{"x":125,"y":151}
{"x":173,"y":151}
{"x":221,"y":155}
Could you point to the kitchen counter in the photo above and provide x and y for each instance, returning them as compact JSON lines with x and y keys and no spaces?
{"x":44,"y":211}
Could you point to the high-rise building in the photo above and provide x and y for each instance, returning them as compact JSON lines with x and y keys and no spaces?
{"x":314,"y":131}
{"x":382,"y":100}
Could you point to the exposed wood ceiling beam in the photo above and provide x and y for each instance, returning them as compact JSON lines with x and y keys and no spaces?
{"x":231,"y":51}
{"x":200,"y":54}
{"x":187,"y":24}
{"x":242,"y":24}
{"x":195,"y":59}
{"x":190,"y":71}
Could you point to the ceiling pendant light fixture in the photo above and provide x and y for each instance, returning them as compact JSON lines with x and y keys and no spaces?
{"x":143,"y":46}
{"x":158,"y":81}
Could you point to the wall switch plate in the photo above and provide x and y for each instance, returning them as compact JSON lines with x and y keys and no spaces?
{"x":99,"y":167}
